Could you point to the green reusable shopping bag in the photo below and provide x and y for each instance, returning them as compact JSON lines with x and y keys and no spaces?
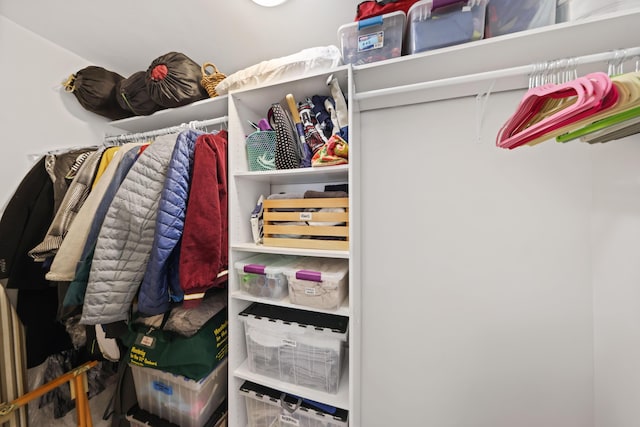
{"x":193,"y":357}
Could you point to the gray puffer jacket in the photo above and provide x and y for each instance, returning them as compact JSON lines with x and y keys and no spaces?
{"x":125,"y":239}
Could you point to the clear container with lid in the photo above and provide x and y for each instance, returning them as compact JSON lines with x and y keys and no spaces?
{"x":263,"y":275}
{"x":432,"y":24}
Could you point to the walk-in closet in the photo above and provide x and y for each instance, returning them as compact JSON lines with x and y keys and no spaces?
{"x":366,"y":214}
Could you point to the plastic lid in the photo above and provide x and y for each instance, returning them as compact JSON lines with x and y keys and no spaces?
{"x":320,"y":321}
{"x":318,"y":269}
{"x":266,"y":264}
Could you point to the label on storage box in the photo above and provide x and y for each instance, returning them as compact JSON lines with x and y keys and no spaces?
{"x":371,"y":41}
{"x":162,"y":387}
{"x":290,"y":343}
{"x":310,"y":291}
{"x":306,"y":216}
{"x":289,"y":420}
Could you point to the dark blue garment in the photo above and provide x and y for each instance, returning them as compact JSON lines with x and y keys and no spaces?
{"x":77,"y":288}
{"x":160,"y":284}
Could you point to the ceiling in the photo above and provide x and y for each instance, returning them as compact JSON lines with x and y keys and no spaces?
{"x":125,"y":36}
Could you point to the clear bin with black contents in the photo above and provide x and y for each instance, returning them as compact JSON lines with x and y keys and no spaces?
{"x":263,"y":275}
{"x":296,"y":346}
{"x":267,"y":407}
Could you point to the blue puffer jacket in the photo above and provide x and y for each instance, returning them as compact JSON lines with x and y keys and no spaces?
{"x":160,"y":284}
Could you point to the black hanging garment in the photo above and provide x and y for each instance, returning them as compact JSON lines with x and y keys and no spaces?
{"x":95,"y":89}
{"x":133,"y":96}
{"x":173,"y":80}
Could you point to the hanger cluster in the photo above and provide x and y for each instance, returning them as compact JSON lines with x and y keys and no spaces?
{"x":597,"y":107}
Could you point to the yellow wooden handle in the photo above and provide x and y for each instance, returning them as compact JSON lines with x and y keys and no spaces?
{"x":293,"y":107}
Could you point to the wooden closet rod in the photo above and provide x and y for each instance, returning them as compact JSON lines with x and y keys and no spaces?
{"x":76,"y":378}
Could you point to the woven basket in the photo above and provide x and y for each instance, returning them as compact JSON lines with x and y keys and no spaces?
{"x":210,"y":80}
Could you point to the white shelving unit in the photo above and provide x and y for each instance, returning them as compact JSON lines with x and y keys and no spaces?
{"x":245,"y":187}
{"x":465,"y":62}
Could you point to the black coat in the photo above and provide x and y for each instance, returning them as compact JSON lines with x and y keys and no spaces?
{"x":24,"y":224}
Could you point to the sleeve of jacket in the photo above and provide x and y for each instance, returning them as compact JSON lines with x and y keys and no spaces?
{"x":71,"y":204}
{"x":125,"y":239}
{"x":154,"y":296}
{"x":24,"y":223}
{"x":204,"y":242}
{"x":75,"y":292}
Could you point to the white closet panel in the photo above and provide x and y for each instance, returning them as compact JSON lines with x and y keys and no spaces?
{"x":477,"y":299}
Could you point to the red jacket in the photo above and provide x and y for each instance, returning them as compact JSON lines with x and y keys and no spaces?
{"x":205,"y":245}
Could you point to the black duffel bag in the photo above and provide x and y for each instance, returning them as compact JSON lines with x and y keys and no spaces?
{"x":173,"y":80}
{"x":133,"y":96}
{"x":95,"y":89}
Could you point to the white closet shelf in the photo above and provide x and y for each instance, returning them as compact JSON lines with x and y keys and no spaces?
{"x":565,"y":40}
{"x":339,"y":400}
{"x":343,"y":310}
{"x":325,"y":253}
{"x":200,"y":110}
{"x":298,"y":176}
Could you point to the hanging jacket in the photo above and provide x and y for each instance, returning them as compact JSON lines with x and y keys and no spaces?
{"x":62,"y":167}
{"x":75,"y":292}
{"x":125,"y":239}
{"x":64,"y":263}
{"x":71,"y":204}
{"x":204,"y":245}
{"x":153,"y":297}
{"x":24,"y":223}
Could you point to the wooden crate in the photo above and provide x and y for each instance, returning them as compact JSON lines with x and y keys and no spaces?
{"x":279,"y":211}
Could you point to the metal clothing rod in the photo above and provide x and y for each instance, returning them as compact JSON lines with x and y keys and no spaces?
{"x":196,"y":124}
{"x":524,"y":70}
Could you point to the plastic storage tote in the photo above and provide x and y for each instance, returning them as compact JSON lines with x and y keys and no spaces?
{"x":510,"y":16}
{"x":267,"y":407}
{"x":138,"y":417}
{"x":263,"y":275}
{"x":432,"y":24}
{"x":372,"y":39}
{"x":571,"y":10}
{"x":319,"y":282}
{"x":178,"y":399}
{"x":296,"y":346}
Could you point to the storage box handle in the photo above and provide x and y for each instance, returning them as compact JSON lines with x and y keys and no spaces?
{"x":255,"y":268}
{"x":312,"y":276}
{"x":370,"y":22}
{"x":291,"y":408}
{"x":438,"y":4}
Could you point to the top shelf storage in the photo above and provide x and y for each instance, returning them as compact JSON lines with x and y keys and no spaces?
{"x":201,"y":110}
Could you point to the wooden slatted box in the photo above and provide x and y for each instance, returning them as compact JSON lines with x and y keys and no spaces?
{"x":300,"y":223}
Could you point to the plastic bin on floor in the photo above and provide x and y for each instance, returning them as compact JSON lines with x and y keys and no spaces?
{"x":297,"y":346}
{"x":372,"y":39}
{"x":178,"y":399}
{"x":432,"y":24}
{"x":318,"y":282}
{"x":138,"y":417}
{"x":267,"y":407}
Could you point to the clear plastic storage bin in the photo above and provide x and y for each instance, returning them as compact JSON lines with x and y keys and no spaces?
{"x":571,"y":10}
{"x":297,"y":346}
{"x":319,"y":282}
{"x":138,"y":417}
{"x":432,"y":24}
{"x":372,"y":39}
{"x":178,"y":399}
{"x":263,"y":275}
{"x":510,"y":16}
{"x":267,"y":407}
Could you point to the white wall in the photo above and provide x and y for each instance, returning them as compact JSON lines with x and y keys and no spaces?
{"x":616,"y":280}
{"x":477,"y":291}
{"x":36,"y":114}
